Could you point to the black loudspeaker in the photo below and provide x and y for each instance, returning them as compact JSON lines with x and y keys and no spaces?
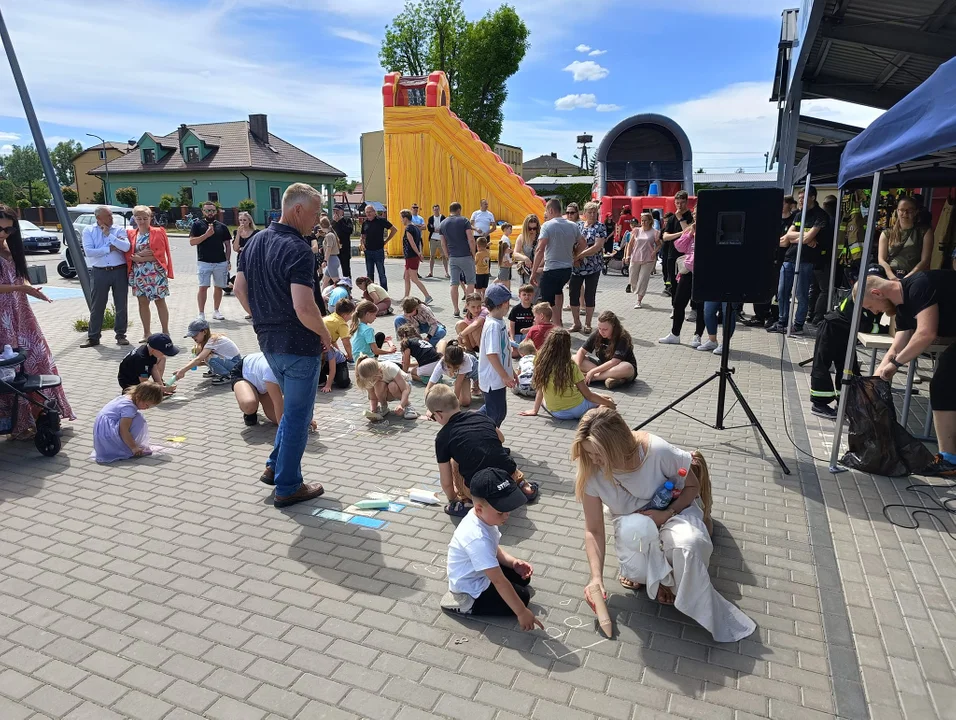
{"x":738,"y":233}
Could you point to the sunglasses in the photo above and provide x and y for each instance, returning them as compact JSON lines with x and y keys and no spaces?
{"x":6,"y":230}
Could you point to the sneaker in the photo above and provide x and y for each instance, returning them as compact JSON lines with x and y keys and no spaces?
{"x":457,"y":314}
{"x":826,"y":411}
{"x":220,"y":379}
{"x":383,"y":409}
{"x":753,"y":322}
{"x":777,"y":328}
{"x":719,"y":349}
{"x":670,"y":339}
{"x":201,"y":316}
{"x":217,"y":315}
{"x":628,"y":288}
{"x":707,"y":345}
{"x":639,"y":305}
{"x":796,"y":330}
{"x":429,"y":300}
{"x":250,"y":419}
{"x":612,"y":383}
{"x":940,"y":467}
{"x":373,"y":416}
{"x":695,"y":343}
{"x":208,"y":374}
{"x":410,"y":413}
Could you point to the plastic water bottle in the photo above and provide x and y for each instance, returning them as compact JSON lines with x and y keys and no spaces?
{"x":7,"y":353}
{"x":662,"y":498}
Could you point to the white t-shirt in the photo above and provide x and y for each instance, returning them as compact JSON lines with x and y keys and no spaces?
{"x":494,"y":341}
{"x":436,"y":223}
{"x":390,"y":371}
{"x":482,"y":221}
{"x":467,"y":365}
{"x":628,"y":492}
{"x":256,"y":370}
{"x":472,"y":550}
{"x":222,"y":347}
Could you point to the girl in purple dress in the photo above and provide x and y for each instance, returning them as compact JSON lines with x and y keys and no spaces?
{"x":120,"y":431}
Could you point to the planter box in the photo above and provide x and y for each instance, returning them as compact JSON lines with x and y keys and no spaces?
{"x":37,"y":274}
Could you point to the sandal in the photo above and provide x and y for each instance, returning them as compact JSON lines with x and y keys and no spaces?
{"x":533,"y":497}
{"x":629,"y":584}
{"x":575,"y":328}
{"x":460,"y":508}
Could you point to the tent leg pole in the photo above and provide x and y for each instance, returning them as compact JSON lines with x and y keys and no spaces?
{"x":836,"y":242}
{"x":796,"y":272}
{"x":855,"y":320}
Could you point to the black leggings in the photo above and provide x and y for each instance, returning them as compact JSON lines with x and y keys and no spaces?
{"x":590,"y":283}
{"x":491,"y":603}
{"x":380,"y":338}
{"x":942,"y":388}
{"x":341,"y":378}
{"x":685,"y":286}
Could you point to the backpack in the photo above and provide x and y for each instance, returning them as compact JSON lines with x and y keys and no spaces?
{"x":525,"y":372}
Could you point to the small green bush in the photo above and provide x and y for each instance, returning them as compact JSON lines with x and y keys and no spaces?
{"x":185,"y":196}
{"x":109,"y":321}
{"x":247,"y":205}
{"x":70,"y":196}
{"x":128,"y":196}
{"x":165,"y":202}
{"x":23,"y":203}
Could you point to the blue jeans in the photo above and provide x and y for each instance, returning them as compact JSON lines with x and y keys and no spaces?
{"x":804,"y":280}
{"x":298,"y":378}
{"x":423,"y":329}
{"x":710,"y":318}
{"x":376,"y":259}
{"x":496,"y":405}
{"x":574,"y":413}
{"x":222,"y":367}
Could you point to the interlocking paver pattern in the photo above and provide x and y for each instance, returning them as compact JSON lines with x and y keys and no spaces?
{"x":170,"y":588}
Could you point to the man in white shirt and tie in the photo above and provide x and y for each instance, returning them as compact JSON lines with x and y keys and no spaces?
{"x":482,"y":221}
{"x":105,"y":247}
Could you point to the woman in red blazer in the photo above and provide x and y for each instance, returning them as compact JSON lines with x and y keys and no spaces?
{"x":150,"y":268}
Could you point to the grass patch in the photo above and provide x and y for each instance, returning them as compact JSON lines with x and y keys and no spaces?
{"x":109,"y":321}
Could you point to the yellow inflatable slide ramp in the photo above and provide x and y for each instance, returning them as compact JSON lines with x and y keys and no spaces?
{"x":432,"y":157}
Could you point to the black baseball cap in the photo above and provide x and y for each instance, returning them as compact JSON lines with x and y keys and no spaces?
{"x":163,"y":343}
{"x":498,"y":489}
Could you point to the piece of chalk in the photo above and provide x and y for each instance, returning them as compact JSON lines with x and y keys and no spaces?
{"x":422,"y":496}
{"x":372,"y":504}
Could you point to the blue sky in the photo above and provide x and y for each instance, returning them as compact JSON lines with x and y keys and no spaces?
{"x":312,"y":66}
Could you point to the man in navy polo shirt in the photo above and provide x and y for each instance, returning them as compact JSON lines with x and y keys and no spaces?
{"x":274,"y":283}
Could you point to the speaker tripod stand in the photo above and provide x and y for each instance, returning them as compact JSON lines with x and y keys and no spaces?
{"x":724,"y":376}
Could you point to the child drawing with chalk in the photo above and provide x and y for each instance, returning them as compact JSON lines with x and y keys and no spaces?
{"x":120,"y":431}
{"x":483,"y":579}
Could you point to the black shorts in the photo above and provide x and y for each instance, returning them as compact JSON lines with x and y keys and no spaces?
{"x":942,"y":388}
{"x":481,"y":281}
{"x":552,"y":284}
{"x":236,"y":374}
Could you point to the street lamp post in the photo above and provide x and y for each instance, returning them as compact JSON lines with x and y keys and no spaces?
{"x":106,"y":194}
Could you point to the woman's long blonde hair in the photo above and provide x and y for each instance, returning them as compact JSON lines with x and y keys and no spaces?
{"x":252,"y":223}
{"x":368,"y":371}
{"x":363,"y":309}
{"x":618,"y":447}
{"x":894,"y":235}
{"x":525,"y":232}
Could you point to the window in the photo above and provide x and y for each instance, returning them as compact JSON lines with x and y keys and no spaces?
{"x":213,"y":197}
{"x":149,"y":157}
{"x":275,"y":198}
{"x":192,"y":154}
{"x":102,"y":154}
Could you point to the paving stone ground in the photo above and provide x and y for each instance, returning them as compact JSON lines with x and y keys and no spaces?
{"x":170,"y":588}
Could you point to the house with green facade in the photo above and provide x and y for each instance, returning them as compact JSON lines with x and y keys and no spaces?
{"x":222,"y":162}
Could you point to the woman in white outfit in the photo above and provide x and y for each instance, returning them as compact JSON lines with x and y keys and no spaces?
{"x":666,"y":550}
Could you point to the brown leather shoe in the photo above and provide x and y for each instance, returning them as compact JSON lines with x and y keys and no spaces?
{"x":122,"y":341}
{"x":90,"y":342}
{"x":306,"y":491}
{"x":268,"y":476}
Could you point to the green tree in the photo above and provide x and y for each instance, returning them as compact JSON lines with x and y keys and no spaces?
{"x":165,"y":202}
{"x":185,"y":196}
{"x":99,"y":198}
{"x":247,"y":205}
{"x":343,"y":185}
{"x":70,"y":196}
{"x":477,"y":57}
{"x":22,"y":167}
{"x":8,"y":193}
{"x":127,"y":195}
{"x":61,"y":155}
{"x":37,"y":193}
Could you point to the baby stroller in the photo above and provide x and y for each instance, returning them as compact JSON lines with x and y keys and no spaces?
{"x":23,"y":386}
{"x":614,"y":257}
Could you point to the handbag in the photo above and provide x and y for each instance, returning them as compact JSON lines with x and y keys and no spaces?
{"x":681,"y":266}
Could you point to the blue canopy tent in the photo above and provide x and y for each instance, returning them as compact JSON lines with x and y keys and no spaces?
{"x":917,"y":133}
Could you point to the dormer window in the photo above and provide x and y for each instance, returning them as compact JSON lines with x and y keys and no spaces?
{"x":149,"y":157}
{"x":192,"y":154}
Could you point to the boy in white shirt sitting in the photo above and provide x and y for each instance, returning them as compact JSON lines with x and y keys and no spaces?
{"x":482,"y":578}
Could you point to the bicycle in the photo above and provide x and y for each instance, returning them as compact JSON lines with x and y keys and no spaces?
{"x":160,"y":220}
{"x":186,"y":223}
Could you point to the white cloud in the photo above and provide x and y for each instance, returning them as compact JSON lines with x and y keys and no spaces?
{"x":596,"y":53}
{"x":9,"y":136}
{"x":6,"y":149}
{"x":587,"y":70}
{"x":583,"y":48}
{"x":570,"y":102}
{"x":608,"y":107}
{"x":356,"y":36}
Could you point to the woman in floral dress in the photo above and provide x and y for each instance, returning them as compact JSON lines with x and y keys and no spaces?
{"x":587,"y":272}
{"x":150,"y":268}
{"x":19,"y":327}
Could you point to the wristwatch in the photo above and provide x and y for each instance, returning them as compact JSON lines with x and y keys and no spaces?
{"x":898,"y":363}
